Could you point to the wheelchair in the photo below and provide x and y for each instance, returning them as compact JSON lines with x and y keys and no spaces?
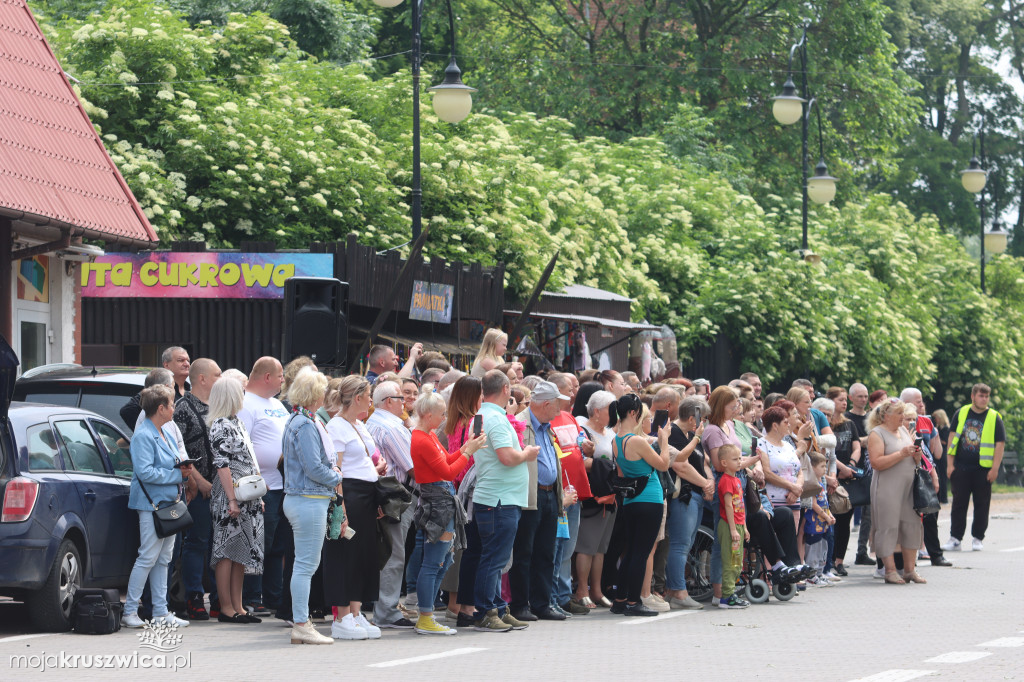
{"x":755,"y":580}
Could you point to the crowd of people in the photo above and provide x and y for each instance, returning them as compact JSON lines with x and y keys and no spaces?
{"x":502,"y":499}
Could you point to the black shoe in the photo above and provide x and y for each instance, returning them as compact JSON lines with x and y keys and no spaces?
{"x":248,"y":618}
{"x":864,"y":560}
{"x":238,"y":618}
{"x":787,"y":574}
{"x":464,"y":621}
{"x":317,"y":615}
{"x":257,"y":609}
{"x":941,"y":561}
{"x":639,"y":609}
{"x":524,"y":615}
{"x":197,"y":608}
{"x":547,"y":613}
{"x":806,"y":571}
{"x":618,"y":607}
{"x":402,"y":624}
{"x":840,"y":570}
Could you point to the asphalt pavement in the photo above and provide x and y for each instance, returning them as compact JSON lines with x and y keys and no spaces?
{"x":967,"y":623}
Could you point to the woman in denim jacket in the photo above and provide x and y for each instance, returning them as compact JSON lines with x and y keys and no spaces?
{"x":311,"y":479}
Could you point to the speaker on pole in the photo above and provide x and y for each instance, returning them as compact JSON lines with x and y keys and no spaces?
{"x":314,"y":320}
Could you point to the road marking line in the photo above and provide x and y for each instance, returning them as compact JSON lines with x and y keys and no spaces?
{"x":896,"y":675}
{"x":428,"y":657}
{"x":18,"y":638}
{"x":1007,"y":642}
{"x":959,"y":657}
{"x":1015,"y":549}
{"x":659,"y":618}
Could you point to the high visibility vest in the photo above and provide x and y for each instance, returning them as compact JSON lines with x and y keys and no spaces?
{"x":988,"y":436}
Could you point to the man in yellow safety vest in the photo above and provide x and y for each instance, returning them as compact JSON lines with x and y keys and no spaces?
{"x":976,"y":442}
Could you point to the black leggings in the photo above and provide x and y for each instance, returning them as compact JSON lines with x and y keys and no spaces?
{"x":641,"y":523}
{"x":842,"y":529}
{"x":763,"y":535}
{"x":785,"y":530}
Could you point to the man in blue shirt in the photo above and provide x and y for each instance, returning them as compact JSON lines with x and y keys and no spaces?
{"x":500,"y":494}
{"x":531,"y":577}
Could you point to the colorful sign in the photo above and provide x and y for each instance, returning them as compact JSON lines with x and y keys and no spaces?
{"x":34,"y":279}
{"x":431,"y":302}
{"x":165,"y":274}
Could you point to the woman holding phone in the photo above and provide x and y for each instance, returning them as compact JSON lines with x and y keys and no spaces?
{"x":439,"y":516}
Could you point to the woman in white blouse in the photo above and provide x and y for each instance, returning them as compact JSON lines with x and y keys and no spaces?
{"x":351,"y":575}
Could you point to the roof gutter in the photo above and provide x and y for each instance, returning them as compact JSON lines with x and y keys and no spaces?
{"x":74,"y":230}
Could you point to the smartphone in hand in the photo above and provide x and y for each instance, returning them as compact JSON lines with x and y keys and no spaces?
{"x":659,"y":421}
{"x":478,"y":425}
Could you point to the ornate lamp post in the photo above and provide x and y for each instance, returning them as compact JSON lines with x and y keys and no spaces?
{"x":452,"y":99}
{"x":974,"y":178}
{"x":788,"y":108}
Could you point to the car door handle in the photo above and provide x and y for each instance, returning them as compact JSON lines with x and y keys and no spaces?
{"x":90,"y":495}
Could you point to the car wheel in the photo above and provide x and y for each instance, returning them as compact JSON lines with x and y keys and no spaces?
{"x":50,"y":607}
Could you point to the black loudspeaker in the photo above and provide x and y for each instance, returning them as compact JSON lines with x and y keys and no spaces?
{"x":314,"y":320}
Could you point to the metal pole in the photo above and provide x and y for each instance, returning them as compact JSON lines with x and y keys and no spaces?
{"x":803,"y":140}
{"x":981,"y":140}
{"x":417,"y":187}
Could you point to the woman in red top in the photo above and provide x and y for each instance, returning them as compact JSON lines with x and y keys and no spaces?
{"x":439,"y":515}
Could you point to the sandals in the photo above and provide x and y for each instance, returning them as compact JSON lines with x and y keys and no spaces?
{"x":893,"y":578}
{"x":588,"y":602}
{"x":603,"y":601}
{"x":914,"y":577}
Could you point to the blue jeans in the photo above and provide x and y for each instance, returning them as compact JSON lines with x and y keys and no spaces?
{"x":266,"y":589}
{"x":196,"y":547}
{"x":497,"y":528}
{"x":681,"y":529}
{"x":308,"y":518}
{"x":437,"y":558}
{"x":412,"y":568}
{"x":154,"y":557}
{"x":564,"y":547}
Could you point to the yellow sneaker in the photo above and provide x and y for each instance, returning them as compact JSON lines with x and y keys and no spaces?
{"x":426,"y":625}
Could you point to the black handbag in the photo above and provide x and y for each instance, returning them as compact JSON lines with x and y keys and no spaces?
{"x":627,"y":487}
{"x":859,"y":488}
{"x":97,"y":611}
{"x":170,"y":519}
{"x":926,"y":501}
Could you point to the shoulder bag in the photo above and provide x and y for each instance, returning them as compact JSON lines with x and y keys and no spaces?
{"x":170,"y":519}
{"x":249,"y":488}
{"x":858,"y":488}
{"x":839,"y":501}
{"x":627,"y":486}
{"x":925,"y":499}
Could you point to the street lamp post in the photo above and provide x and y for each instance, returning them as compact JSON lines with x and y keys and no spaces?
{"x":974,"y":179}
{"x":452,"y":99}
{"x":787,"y":109}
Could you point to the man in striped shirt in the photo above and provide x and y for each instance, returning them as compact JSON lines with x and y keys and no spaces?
{"x":394,"y":442}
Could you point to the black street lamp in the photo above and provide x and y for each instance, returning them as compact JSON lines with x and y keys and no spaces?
{"x":788,"y":108}
{"x":452,"y":99}
{"x":974,"y":179}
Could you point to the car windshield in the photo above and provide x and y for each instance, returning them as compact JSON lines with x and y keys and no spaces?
{"x":108,"y":405}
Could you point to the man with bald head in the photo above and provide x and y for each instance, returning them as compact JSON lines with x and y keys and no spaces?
{"x":264,"y":417}
{"x":190,"y":416}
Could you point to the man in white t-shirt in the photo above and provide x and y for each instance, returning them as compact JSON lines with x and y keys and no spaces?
{"x":264,"y":418}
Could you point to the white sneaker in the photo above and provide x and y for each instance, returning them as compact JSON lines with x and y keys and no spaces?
{"x":653,"y":601}
{"x":131,"y":620}
{"x":171,"y":619}
{"x":347,"y":628}
{"x":880,"y":573}
{"x":953,"y":545}
{"x":976,"y":545}
{"x":715,"y":601}
{"x":372,"y":631}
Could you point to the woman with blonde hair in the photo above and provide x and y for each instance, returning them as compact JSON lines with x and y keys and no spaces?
{"x":894,"y":523}
{"x":351,"y":575}
{"x":311,"y":479}
{"x":237,"y":543}
{"x":492,"y":352}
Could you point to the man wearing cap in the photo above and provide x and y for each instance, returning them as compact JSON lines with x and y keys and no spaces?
{"x":531,"y":577}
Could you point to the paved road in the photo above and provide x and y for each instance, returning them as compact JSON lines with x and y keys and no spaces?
{"x":966,"y":624}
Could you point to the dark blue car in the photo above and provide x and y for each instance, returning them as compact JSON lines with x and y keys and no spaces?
{"x":65,"y":524}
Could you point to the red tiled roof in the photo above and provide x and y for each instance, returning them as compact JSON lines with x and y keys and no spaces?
{"x":52,"y":162}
